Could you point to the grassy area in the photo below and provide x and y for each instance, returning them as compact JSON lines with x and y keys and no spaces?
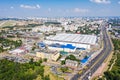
{"x":51,"y":75}
{"x":111,"y":61}
{"x":58,"y":69}
{"x":80,"y":71}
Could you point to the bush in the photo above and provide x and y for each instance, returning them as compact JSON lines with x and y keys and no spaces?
{"x":64,"y":69}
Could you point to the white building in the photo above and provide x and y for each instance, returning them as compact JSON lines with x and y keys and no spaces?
{"x":71,"y":63}
{"x":70,"y":41}
{"x":44,"y":28}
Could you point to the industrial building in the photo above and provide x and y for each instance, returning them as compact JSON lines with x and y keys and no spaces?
{"x":70,"y":42}
{"x":50,"y":55}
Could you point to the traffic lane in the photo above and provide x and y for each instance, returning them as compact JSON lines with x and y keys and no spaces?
{"x":105,"y":46}
{"x":97,"y":65}
{"x":94,"y":68}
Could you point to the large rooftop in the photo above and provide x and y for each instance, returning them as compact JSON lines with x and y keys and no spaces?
{"x":74,"y":38}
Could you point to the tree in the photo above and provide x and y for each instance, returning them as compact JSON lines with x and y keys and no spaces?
{"x":86,"y":57}
{"x":40,"y":61}
{"x":38,"y":77}
{"x":45,"y":59}
{"x":17,"y":71}
{"x":31,"y":60}
{"x":71,"y":57}
{"x":62,"y":62}
{"x":47,"y":77}
{"x":33,"y":48}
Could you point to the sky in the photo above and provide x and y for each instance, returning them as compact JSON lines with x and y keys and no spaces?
{"x":59,"y":8}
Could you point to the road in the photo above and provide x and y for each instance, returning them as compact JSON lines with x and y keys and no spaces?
{"x":95,"y":63}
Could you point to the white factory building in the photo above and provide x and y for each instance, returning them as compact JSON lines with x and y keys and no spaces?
{"x":70,"y":41}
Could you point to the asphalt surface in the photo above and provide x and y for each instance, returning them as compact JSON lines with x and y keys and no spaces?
{"x":94,"y":64}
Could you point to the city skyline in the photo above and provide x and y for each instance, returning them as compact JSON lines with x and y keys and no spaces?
{"x":59,"y":8}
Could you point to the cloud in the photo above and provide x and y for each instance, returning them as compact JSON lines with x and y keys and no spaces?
{"x":30,"y":7}
{"x":11,"y":7}
{"x":78,"y":10}
{"x":67,"y":10}
{"x":118,"y":2}
{"x":38,"y":6}
{"x":101,"y":1}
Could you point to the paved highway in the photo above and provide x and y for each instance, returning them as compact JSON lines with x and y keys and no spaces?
{"x":97,"y":61}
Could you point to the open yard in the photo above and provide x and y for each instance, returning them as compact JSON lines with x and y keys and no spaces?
{"x":7,"y":23}
{"x":51,"y":75}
